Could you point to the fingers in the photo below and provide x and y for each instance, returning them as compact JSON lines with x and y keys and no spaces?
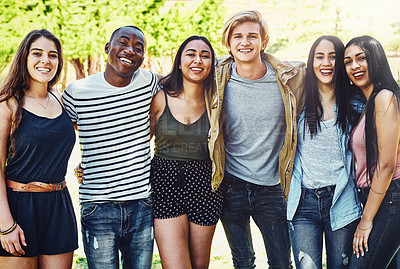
{"x":355,"y":245}
{"x":79,"y":173}
{"x":12,"y":242}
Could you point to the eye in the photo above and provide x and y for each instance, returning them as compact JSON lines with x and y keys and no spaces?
{"x":319,"y":57}
{"x":333,"y":57}
{"x":122,"y":43}
{"x":53,"y":55}
{"x":138,"y":49}
{"x":347,"y":62}
{"x":205,"y":56}
{"x":36,"y":53}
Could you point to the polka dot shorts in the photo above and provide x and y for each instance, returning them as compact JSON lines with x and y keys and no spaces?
{"x":184,"y":187}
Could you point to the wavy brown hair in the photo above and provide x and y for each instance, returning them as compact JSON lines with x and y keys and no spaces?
{"x":17,"y":81}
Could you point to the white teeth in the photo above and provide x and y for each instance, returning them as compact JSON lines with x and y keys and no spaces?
{"x":41,"y":69}
{"x":245,"y":50}
{"x":125,"y":60}
{"x":326,"y":72}
{"x":196,"y":69}
{"x":359,"y":74}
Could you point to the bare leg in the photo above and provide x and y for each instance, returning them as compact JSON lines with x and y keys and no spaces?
{"x":172,"y":237}
{"x":18,"y":262}
{"x":60,"y":261}
{"x":200,"y":245}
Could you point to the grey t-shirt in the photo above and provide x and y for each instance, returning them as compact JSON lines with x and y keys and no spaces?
{"x":254,"y":127}
{"x":320,"y":157}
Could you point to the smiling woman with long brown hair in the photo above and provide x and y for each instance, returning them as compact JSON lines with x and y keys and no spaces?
{"x":37,"y":221}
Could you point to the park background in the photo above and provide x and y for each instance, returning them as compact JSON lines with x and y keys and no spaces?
{"x":84,"y":26}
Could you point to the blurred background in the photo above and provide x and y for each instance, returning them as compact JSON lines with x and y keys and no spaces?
{"x":84,"y":27}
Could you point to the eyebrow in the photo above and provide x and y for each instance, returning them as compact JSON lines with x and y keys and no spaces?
{"x":52,"y":51}
{"x":332,"y":52}
{"x":251,"y":33}
{"x":358,"y":54}
{"x":196,"y":50}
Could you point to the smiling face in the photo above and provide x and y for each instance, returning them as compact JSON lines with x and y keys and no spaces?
{"x":125,"y":54}
{"x":196,"y":61}
{"x":356,"y":64}
{"x":42,"y":61}
{"x":324,"y":62}
{"x":245,"y":42}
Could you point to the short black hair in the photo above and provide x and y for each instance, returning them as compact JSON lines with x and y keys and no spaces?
{"x":120,"y":28}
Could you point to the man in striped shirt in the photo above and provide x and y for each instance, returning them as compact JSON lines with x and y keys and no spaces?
{"x":111,"y":111}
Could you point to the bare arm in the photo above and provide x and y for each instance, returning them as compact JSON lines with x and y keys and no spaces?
{"x":10,"y":242}
{"x":156,"y":109}
{"x":387,"y":120}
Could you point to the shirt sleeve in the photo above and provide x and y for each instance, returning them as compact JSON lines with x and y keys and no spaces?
{"x":69,"y":103}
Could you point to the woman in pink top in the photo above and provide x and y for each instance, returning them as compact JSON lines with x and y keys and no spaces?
{"x":375,"y":143}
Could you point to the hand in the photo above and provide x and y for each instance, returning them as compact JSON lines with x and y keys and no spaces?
{"x":361,"y":235}
{"x":12,"y":242}
{"x":79,"y":173}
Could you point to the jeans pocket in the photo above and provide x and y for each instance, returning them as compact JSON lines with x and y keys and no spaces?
{"x":87,"y":209}
{"x":147,"y":202}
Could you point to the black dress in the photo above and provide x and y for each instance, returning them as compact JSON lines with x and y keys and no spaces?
{"x":42,"y":150}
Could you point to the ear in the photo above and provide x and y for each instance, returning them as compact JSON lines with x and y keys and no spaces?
{"x":107,"y":48}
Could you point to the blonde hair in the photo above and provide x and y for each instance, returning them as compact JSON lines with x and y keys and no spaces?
{"x":241,"y":17}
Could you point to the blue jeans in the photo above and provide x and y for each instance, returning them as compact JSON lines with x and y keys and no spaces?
{"x":384,"y":239}
{"x":306,"y":230}
{"x":267,"y":207}
{"x":108,"y":228}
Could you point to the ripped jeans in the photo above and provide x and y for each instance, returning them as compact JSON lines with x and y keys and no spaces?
{"x":110,"y":227}
{"x":309,"y":224}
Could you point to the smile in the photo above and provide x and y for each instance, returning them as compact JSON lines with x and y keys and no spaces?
{"x":126,"y":60}
{"x":358,"y":74}
{"x":245,"y":50}
{"x":326,"y":72}
{"x":43,"y":69}
{"x":196,"y":69}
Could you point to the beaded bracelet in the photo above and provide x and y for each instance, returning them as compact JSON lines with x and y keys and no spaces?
{"x":9,"y":230}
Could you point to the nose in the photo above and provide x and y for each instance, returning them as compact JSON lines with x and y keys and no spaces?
{"x":354,"y":64}
{"x":198,"y":59}
{"x":246,"y":40}
{"x":326,"y":61}
{"x":129,"y":50}
{"x":45,"y":59}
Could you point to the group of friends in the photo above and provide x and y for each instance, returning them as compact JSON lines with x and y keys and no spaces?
{"x":306,"y":151}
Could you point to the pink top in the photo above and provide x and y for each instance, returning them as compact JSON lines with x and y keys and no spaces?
{"x":357,"y":143}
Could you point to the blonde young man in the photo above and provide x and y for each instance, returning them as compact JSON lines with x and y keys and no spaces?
{"x":257,"y":97}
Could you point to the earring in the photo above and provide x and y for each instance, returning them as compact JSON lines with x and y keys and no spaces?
{"x":179,"y":66}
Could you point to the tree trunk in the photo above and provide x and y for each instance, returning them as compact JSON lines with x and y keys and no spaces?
{"x":93,"y":63}
{"x":64,"y":78}
{"x":79,"y":68}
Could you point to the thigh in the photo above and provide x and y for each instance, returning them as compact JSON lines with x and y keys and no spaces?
{"x":200,"y":239}
{"x":172,"y":237}
{"x":338,"y":245}
{"x":100,"y":225}
{"x":203,"y":206}
{"x":18,"y":262}
{"x":306,"y":234}
{"x":268,"y":210}
{"x":384,"y":239}
{"x":60,"y":261}
{"x":235,"y":219}
{"x":137,"y":238}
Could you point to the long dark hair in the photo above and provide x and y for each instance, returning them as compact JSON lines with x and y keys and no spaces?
{"x":173,"y":82}
{"x":381,"y":77}
{"x":17,"y":80}
{"x":313,"y":107}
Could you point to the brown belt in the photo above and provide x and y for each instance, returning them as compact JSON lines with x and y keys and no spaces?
{"x":35,"y":186}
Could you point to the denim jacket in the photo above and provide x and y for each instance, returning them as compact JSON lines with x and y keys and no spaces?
{"x":345,"y":204}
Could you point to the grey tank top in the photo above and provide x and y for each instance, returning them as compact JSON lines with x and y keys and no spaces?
{"x":183,"y":142}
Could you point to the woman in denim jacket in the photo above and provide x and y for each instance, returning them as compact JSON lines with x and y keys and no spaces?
{"x":322,"y":196}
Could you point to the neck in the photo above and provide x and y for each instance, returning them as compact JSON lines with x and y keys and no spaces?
{"x":368,"y":90}
{"x":115,"y":79}
{"x":37,"y":89}
{"x":192,"y":91}
{"x":254,"y":70}
{"x":326,"y":92}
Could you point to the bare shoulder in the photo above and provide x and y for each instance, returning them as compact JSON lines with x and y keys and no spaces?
{"x":385,"y":99}
{"x":57,"y":93}
{"x":7,"y":107}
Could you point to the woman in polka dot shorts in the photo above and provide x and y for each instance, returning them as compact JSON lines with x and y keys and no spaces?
{"x":187,"y":202}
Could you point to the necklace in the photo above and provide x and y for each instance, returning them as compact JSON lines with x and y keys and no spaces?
{"x":43,"y":106}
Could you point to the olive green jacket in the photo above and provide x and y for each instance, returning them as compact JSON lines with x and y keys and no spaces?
{"x":290,"y":77}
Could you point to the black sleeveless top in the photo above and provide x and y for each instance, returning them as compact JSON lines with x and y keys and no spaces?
{"x":42,"y":148}
{"x":182,"y":142}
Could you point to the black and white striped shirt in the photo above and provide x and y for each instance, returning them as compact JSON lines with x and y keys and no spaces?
{"x":114,"y":133}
